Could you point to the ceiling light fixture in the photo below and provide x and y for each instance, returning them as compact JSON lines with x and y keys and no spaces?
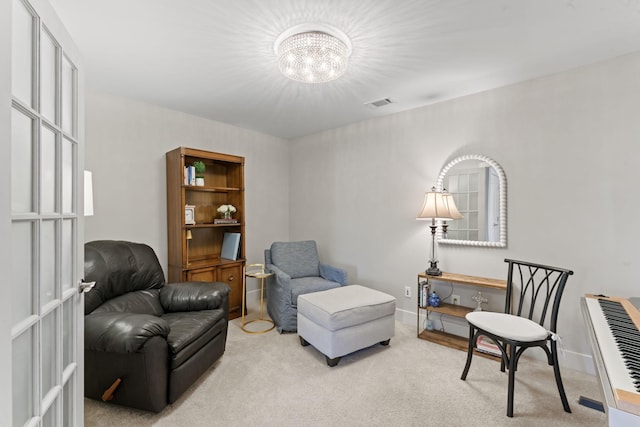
{"x":312,"y":53}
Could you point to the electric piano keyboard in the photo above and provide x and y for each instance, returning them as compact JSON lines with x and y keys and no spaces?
{"x":614,"y":329}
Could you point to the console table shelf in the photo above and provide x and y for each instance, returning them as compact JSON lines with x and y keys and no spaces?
{"x":444,"y":338}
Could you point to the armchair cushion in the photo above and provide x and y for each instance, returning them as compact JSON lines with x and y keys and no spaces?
{"x":297,"y":259}
{"x":306,"y":285}
{"x":121,"y":332}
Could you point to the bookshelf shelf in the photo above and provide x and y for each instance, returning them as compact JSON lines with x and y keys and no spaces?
{"x":195,"y":249}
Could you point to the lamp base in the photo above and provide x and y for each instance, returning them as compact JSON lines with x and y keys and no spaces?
{"x":433,"y":269}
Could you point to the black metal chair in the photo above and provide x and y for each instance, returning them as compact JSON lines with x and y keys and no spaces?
{"x":536,"y":289}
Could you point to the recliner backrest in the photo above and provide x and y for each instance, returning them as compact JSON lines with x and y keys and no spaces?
{"x":297,"y":259}
{"x":119,"y":267}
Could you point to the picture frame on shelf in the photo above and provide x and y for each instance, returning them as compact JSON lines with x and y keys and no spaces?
{"x":190,"y":215}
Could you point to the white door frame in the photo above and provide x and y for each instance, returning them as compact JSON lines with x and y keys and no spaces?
{"x":5,"y":205}
{"x":48,"y":16}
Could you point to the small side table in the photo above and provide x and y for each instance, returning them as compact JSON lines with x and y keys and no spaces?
{"x":257,"y":272}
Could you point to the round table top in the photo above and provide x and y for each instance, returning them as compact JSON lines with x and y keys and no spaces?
{"x":258,"y":274}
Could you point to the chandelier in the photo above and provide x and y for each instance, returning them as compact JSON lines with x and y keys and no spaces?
{"x":312,"y":53}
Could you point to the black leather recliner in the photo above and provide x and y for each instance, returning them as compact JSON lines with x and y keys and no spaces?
{"x":156,"y":338}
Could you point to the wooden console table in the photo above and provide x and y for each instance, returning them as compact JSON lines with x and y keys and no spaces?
{"x":444,"y":338}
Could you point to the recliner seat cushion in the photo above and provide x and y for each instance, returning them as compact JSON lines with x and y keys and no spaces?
{"x":190,"y":331}
{"x":297,"y":259}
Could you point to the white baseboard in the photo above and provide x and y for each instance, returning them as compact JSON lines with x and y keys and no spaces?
{"x":568,"y":359}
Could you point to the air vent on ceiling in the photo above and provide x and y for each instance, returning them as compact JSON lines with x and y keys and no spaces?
{"x":379,"y":103}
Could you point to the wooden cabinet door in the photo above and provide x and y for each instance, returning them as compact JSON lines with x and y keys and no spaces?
{"x":202,"y":275}
{"x":232,"y":276}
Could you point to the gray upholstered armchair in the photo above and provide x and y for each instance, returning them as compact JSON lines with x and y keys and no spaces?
{"x":297,"y":270}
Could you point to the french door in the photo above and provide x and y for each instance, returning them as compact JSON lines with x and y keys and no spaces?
{"x":46,"y":220}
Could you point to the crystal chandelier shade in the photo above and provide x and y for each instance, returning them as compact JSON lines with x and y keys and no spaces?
{"x":315,"y":56}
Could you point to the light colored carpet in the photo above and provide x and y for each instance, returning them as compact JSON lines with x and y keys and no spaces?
{"x":271,"y":380}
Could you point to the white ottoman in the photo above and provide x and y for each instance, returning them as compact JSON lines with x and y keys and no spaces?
{"x":342,"y":320}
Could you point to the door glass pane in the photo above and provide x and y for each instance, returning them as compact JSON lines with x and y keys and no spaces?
{"x":67,"y":176}
{"x":49,"y":353}
{"x":21,"y":274}
{"x":22,"y":373}
{"x":68,"y":90}
{"x":21,"y":162}
{"x":51,"y":417}
{"x":48,"y":77}
{"x":66,"y":256}
{"x":21,"y":52}
{"x":47,"y":261}
{"x":67,"y":333}
{"x":67,"y":402}
{"x":47,"y":170}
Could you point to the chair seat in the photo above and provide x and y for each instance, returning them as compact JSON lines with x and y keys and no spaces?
{"x":507,"y":326}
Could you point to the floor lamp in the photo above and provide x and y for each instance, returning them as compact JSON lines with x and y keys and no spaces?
{"x":435,"y":208}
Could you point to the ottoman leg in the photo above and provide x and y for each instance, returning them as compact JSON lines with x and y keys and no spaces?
{"x":385,"y":342}
{"x":303,"y":342}
{"x":332,"y":362}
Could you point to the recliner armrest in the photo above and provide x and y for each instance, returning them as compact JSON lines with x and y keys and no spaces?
{"x":334,"y":274}
{"x":121,"y":332}
{"x":194,"y":296}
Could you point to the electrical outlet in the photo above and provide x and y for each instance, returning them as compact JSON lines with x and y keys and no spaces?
{"x":455,"y":299}
{"x":407,"y":291}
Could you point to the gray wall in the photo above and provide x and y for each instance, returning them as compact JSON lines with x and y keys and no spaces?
{"x":126,"y":142}
{"x":568,"y":145}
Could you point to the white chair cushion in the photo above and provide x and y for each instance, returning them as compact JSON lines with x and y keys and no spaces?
{"x":507,"y":326}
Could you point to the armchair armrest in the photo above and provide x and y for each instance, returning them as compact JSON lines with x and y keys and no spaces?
{"x":194,"y":296}
{"x":121,"y":332}
{"x":334,"y":274}
{"x":282,"y":278}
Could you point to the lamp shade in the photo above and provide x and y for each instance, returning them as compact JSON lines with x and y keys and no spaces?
{"x":435,"y":207}
{"x":451,"y":205}
{"x":88,"y":194}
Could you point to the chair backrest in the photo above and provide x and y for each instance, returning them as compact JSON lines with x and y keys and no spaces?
{"x":297,"y":259}
{"x":118,"y":268}
{"x":536,"y":291}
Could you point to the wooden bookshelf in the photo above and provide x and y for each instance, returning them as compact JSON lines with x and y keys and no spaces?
{"x":444,"y":338}
{"x":198,"y":259}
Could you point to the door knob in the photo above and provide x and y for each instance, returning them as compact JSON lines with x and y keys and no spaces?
{"x":85,"y":286}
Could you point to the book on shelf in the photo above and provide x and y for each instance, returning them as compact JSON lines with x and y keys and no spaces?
{"x":189,"y":175}
{"x":424,"y":294}
{"x":230,"y":246}
{"x":486,"y":345}
{"x":225,"y":221}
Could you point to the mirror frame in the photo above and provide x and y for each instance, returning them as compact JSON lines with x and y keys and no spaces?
{"x":502,"y":181}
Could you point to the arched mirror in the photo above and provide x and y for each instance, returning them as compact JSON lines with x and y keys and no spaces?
{"x":479,"y":188}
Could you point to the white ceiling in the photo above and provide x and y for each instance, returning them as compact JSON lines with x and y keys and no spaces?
{"x":214,"y":58}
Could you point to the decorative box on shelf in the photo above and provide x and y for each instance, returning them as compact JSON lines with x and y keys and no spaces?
{"x":225,"y":221}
